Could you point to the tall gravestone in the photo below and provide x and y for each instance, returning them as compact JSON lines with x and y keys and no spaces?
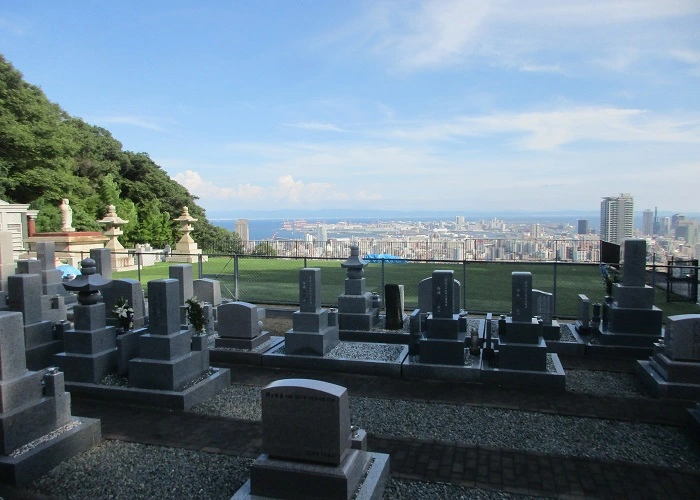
{"x":583,"y":324}
{"x":41,"y":337}
{"x":29,"y":413}
{"x":239,"y":326}
{"x":444,"y":339}
{"x":91,"y":347}
{"x":183,"y":274}
{"x":425,"y":295}
{"x":7,"y":263}
{"x":521,"y":346}
{"x":394,"y":305}
{"x":207,"y":290}
{"x":311,"y":332}
{"x":168,"y":358}
{"x":355,"y":308}
{"x":543,"y":305}
{"x":673,"y":370}
{"x":307,"y":447}
{"x":630,"y":318}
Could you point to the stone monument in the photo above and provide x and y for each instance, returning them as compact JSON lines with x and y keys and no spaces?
{"x":543,"y":307}
{"x":37,"y":429}
{"x":445,"y":333}
{"x":308,"y":447}
{"x":239,"y":326}
{"x":673,"y":371}
{"x":394,"y":305}
{"x":311,"y":332}
{"x":630,"y":318}
{"x":113,"y":223}
{"x":355,"y":308}
{"x":186,"y":249}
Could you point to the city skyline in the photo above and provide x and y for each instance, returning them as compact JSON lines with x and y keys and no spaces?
{"x":454,"y":105}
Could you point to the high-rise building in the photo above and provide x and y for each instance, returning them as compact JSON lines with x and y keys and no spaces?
{"x":689,"y":231}
{"x":535,"y":231}
{"x":648,"y":222}
{"x":582,"y":226}
{"x":242,"y":229}
{"x":617,"y":218}
{"x":321,"y":234}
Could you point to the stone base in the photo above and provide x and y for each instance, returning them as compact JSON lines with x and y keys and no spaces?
{"x":533,"y":380}
{"x":244,"y":356}
{"x":666,"y":389}
{"x":516,"y":356}
{"x":166,"y":375}
{"x":442,"y":351}
{"x":693,"y":422}
{"x":380,"y":337}
{"x":273,"y":358}
{"x":452,"y":373}
{"x":176,"y":400}
{"x":551,"y":332}
{"x":242,"y":343}
{"x":620,"y":320}
{"x":42,"y":356}
{"x":295,"y":480}
{"x":312,"y":343}
{"x":609,"y":338}
{"x":563,"y":348}
{"x":87,"y":368}
{"x":358,"y":321}
{"x":34,"y":463}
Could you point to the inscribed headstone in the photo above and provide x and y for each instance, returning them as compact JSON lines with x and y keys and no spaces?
{"x":310,"y":289}
{"x":682,"y":337}
{"x":522,"y":296}
{"x":443,"y":294}
{"x":634,"y":263}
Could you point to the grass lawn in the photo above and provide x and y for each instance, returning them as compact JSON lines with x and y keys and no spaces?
{"x":487,"y":284}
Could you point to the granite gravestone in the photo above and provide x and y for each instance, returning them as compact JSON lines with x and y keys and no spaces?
{"x":207,"y":290}
{"x":239,"y":326}
{"x":394,"y":297}
{"x":311,"y":333}
{"x":30,"y":412}
{"x":425,"y":296}
{"x":682,"y":337}
{"x":307,"y":450}
{"x":358,"y":309}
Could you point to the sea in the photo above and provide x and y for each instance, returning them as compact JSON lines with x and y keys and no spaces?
{"x":271,"y":228}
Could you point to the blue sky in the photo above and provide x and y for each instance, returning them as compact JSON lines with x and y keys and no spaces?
{"x":435,"y":105}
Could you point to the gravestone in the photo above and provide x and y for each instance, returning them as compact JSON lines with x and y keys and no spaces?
{"x":543,"y":306}
{"x":307,"y":450}
{"x":42,"y":341}
{"x":425,"y":296}
{"x":239,"y":326}
{"x":183,"y":274}
{"x":51,"y":278}
{"x":356,"y":308}
{"x":207,"y":290}
{"x":91,"y":346}
{"x":583,"y":324}
{"x":673,"y":371}
{"x":630,"y":319}
{"x":521,"y":345}
{"x":7,"y":262}
{"x":127,"y":341}
{"x":168,"y":357}
{"x":444,"y":340}
{"x":394,"y":297}
{"x":103,"y":261}
{"x":311,"y":334}
{"x":30,"y":413}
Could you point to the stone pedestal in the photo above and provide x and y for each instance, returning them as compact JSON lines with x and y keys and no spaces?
{"x":355,"y":308}
{"x":29,"y":413}
{"x":630,"y":319}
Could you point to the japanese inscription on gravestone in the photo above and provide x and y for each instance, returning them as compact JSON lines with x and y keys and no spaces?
{"x":310,"y":289}
{"x":443,"y":294}
{"x":521,"y":296}
{"x":306,"y":420}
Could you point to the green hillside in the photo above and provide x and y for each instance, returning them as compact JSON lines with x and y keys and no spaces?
{"x":47,"y":155}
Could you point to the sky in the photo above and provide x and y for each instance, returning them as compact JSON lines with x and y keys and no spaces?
{"x":451,"y":105}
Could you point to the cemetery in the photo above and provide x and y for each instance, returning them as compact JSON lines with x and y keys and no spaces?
{"x":365,"y":400}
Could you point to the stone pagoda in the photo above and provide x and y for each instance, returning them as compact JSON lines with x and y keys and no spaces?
{"x":355,"y":308}
{"x":112,"y":223}
{"x":186,"y":249}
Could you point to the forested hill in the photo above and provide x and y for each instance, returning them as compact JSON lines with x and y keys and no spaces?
{"x":47,"y":155}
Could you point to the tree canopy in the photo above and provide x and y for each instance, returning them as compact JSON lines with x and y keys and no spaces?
{"x":47,"y":155}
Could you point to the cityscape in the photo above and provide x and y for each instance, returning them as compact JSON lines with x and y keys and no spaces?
{"x":669,"y":237}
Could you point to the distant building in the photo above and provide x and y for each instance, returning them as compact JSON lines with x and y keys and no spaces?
{"x":617,"y":218}
{"x":321,"y":234}
{"x":675,"y":219}
{"x":535,"y":231}
{"x":648,"y":222}
{"x":689,"y":231}
{"x":242,"y":229}
{"x":459,"y":221}
{"x":582,"y":226}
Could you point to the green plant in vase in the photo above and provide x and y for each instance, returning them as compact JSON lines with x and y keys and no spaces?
{"x":195,"y":315}
{"x":124,"y":314}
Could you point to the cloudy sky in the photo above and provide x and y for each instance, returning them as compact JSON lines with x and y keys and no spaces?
{"x":452,"y":105}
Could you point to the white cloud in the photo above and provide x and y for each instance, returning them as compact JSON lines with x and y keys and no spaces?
{"x":133,"y":120}
{"x":315,"y":126}
{"x":205,"y":189}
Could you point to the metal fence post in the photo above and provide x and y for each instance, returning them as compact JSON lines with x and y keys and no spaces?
{"x":653,"y":270}
{"x":464,"y":285}
{"x":200,"y":265}
{"x":138,"y":265}
{"x":305,"y":266}
{"x":554,"y":298}
{"x":235,"y":277}
{"x":383,"y":284}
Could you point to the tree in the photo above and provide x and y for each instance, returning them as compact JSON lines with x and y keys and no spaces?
{"x":264,"y":248}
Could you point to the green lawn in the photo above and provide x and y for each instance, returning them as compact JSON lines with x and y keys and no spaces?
{"x":487,"y":284}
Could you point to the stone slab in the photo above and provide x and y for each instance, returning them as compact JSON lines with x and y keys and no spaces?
{"x":176,"y":400}
{"x":452,"y":373}
{"x":242,"y":343}
{"x":638,"y":321}
{"x":633,"y":297}
{"x":358,"y":304}
{"x":26,"y":467}
{"x":365,"y":321}
{"x":542,"y":381}
{"x":310,"y":321}
{"x":311,"y":343}
{"x":243,"y":356}
{"x":442,"y":351}
{"x":660,"y":388}
{"x":274,"y":359}
{"x":516,"y":356}
{"x":682,"y":337}
{"x":168,"y":375}
{"x":355,"y":286}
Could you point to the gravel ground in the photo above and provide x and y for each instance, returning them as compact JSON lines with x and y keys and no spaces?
{"x":545,"y":433}
{"x":116,"y":469}
{"x":621,"y":385}
{"x":412,"y":490}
